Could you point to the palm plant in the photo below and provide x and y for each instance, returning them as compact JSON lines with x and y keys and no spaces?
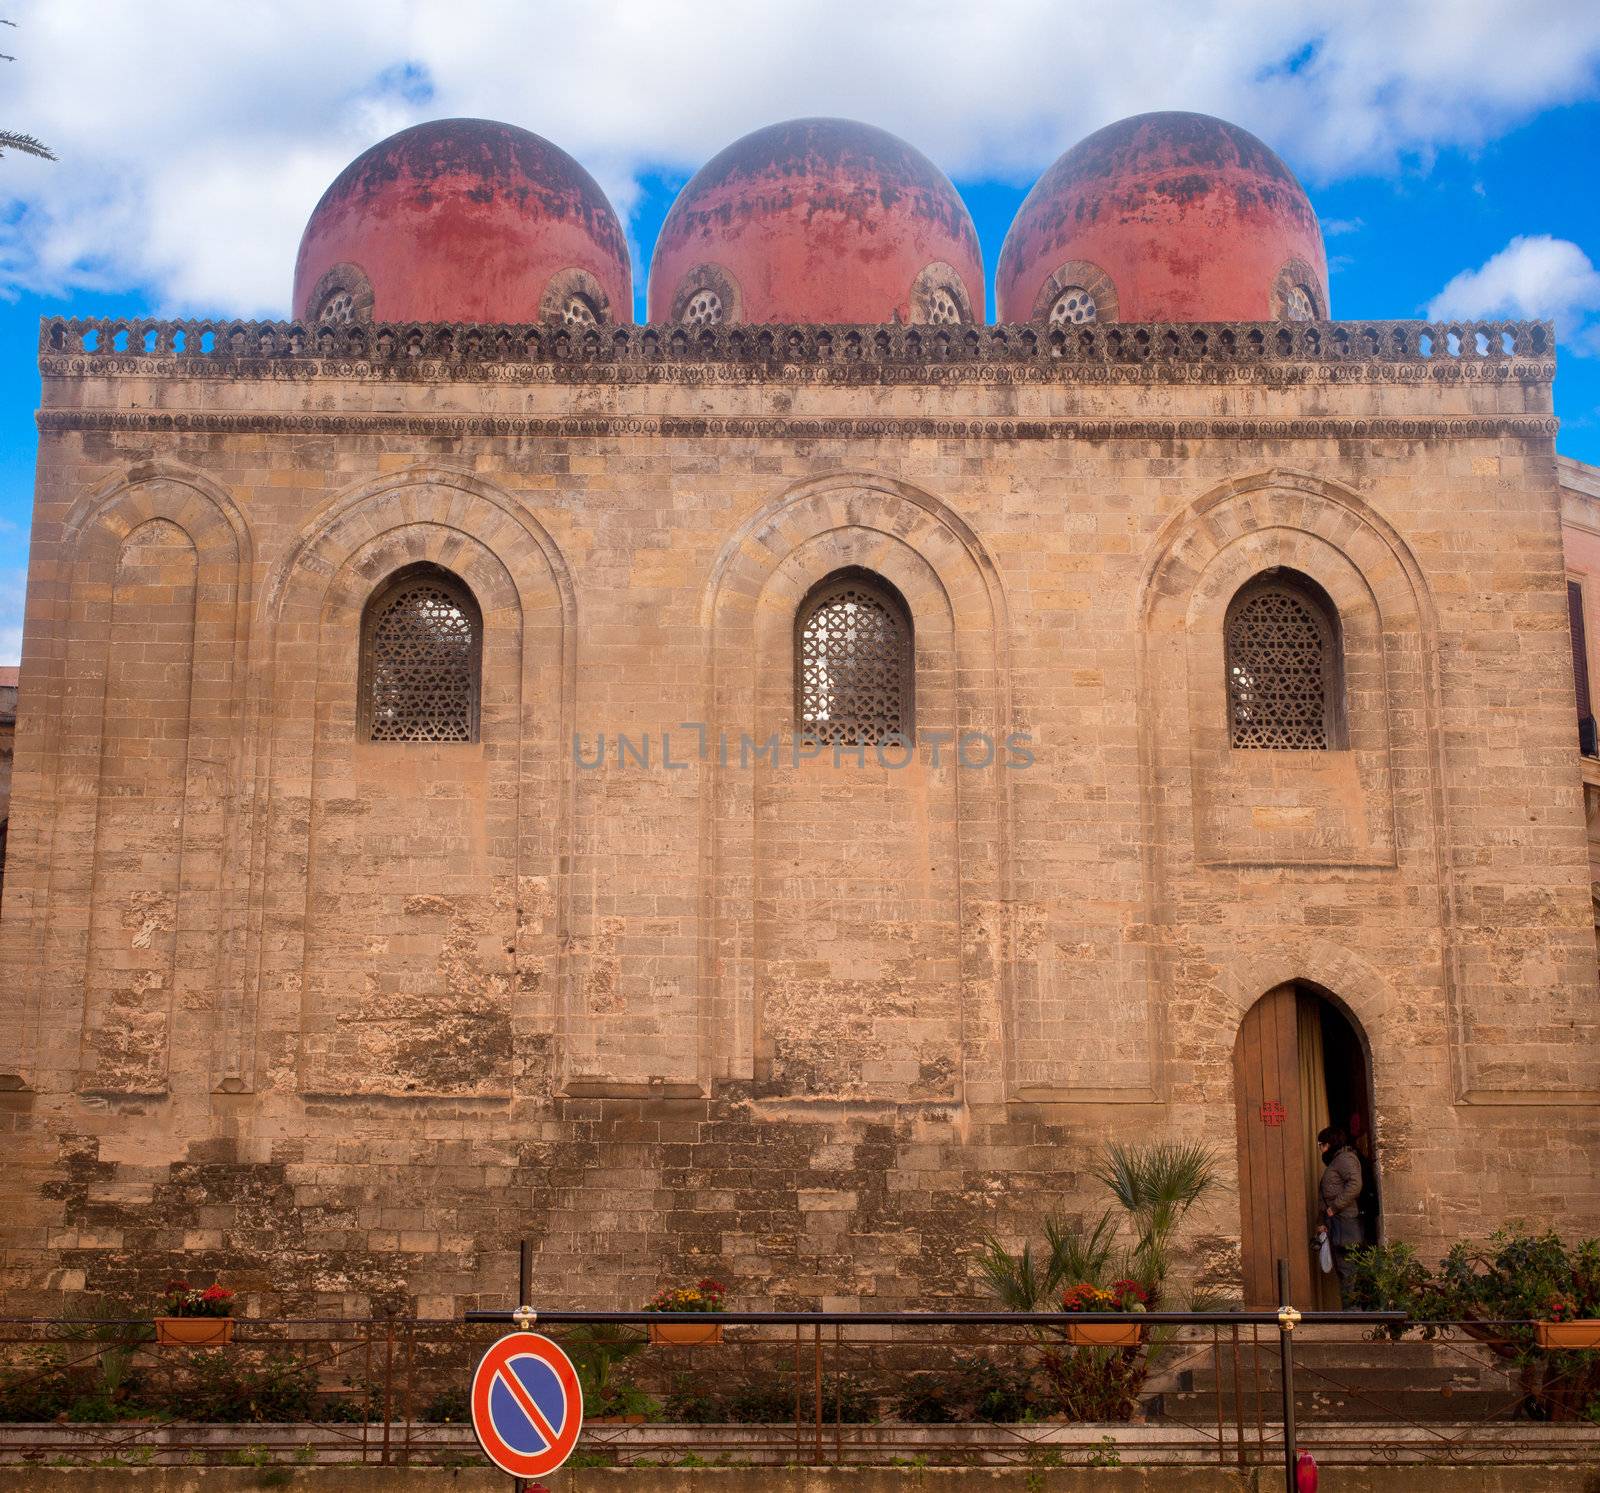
{"x":1156,"y":1185}
{"x":1074,"y":1251}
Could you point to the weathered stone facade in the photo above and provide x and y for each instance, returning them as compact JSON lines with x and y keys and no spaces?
{"x":344,"y":1019}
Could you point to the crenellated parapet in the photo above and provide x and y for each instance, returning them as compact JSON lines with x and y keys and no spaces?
{"x":1121,"y":352}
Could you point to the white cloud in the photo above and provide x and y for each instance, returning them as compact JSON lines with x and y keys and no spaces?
{"x":195,"y":137}
{"x":1533,"y":276}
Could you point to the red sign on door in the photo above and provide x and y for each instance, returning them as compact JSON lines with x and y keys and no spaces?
{"x":1273,"y":1112}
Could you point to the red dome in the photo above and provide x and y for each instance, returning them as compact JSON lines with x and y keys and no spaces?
{"x":1165,"y":217}
{"x":817,"y":220}
{"x":464,"y":220}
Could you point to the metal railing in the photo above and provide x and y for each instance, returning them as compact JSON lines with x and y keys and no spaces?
{"x":977,"y":1388}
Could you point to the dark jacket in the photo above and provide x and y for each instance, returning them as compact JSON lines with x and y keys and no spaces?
{"x":1340,"y":1190}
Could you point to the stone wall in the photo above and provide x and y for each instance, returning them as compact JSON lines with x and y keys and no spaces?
{"x":343,"y":1020}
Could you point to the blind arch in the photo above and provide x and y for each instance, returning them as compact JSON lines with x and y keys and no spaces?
{"x":1284,"y":665}
{"x":854,"y":661}
{"x":421,"y":659}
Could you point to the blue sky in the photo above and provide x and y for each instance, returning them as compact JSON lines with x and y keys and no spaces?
{"x":1448,"y":145}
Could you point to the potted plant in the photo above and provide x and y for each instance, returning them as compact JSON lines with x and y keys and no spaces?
{"x":1565,"y":1326}
{"x":703,"y":1296}
{"x":194,"y":1318}
{"x":1154,"y":1187}
{"x":1528,"y":1298}
{"x":1119,"y":1296}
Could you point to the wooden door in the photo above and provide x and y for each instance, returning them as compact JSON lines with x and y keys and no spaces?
{"x":1274,"y":1207}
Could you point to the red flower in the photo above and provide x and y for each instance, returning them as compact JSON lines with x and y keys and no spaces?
{"x":1078,"y":1298}
{"x":1561,"y":1307}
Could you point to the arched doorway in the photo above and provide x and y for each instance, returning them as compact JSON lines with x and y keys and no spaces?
{"x":1299,"y":1063}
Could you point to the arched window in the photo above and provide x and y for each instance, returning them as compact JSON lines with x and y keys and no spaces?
{"x":853,"y":661}
{"x":1285,"y":666}
{"x":421,"y":655}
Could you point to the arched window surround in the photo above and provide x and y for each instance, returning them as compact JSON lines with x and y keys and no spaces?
{"x":439,"y":703}
{"x":1279,"y":610}
{"x":865,"y":711}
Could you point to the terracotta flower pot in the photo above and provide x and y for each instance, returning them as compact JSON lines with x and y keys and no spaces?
{"x":1584,"y":1333}
{"x":194,"y":1332}
{"x":1092,"y":1334}
{"x":686,"y":1334}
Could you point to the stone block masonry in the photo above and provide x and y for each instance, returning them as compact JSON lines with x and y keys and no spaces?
{"x":343,"y":1019}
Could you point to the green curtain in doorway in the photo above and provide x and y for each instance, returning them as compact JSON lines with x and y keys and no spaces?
{"x":1314,"y":1117}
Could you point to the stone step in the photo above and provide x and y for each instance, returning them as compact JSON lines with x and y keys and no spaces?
{"x":1423,"y":1406}
{"x":1407,"y":1350}
{"x":1401,"y":1365}
{"x":1322,"y":1376}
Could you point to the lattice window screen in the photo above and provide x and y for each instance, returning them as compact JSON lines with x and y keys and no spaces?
{"x":853,"y":665}
{"x":704,"y":310}
{"x":420,"y":673}
{"x":1279,"y":657}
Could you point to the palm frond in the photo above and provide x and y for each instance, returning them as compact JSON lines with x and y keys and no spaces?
{"x":1076,"y":1251}
{"x":11,"y":140}
{"x":1013,"y":1280}
{"x":1162,"y":1175}
{"x":1079,"y":1252}
{"x":1156,"y":1185}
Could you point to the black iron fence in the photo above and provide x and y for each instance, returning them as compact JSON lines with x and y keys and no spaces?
{"x":920,"y":1388}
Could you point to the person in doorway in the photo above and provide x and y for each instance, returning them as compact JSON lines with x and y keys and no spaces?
{"x":1340,"y":1192}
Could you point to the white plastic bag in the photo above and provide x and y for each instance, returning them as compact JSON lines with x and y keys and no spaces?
{"x":1324,"y":1252}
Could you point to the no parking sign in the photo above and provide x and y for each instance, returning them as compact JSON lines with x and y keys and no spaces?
{"x":527,"y":1406}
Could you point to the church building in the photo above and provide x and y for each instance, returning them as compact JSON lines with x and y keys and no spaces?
{"x":772,"y":790}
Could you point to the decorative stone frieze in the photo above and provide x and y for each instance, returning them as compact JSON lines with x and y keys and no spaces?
{"x":1264,"y":352}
